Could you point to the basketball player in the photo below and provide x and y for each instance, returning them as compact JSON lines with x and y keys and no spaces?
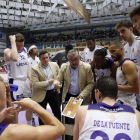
{"x":90,"y":49}
{"x":32,"y":60}
{"x":61,"y":56}
{"x":52,"y":130}
{"x":102,"y":65}
{"x":16,"y":59}
{"x":126,"y":75}
{"x":106,"y":120}
{"x":135,"y":16}
{"x":132,"y":48}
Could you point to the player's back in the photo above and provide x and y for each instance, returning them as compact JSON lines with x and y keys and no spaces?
{"x":105,"y":122}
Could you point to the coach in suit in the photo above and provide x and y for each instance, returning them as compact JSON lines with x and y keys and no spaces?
{"x":77,"y":75}
{"x":42,"y":78}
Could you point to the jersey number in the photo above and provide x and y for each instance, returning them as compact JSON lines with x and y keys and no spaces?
{"x":105,"y":136}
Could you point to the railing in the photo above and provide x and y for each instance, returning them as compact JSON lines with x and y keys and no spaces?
{"x":58,"y":43}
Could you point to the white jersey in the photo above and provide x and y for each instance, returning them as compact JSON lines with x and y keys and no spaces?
{"x":105,"y":122}
{"x":88,"y":55}
{"x":124,"y":97}
{"x":18,"y":70}
{"x":133,"y":52}
{"x":32,"y":62}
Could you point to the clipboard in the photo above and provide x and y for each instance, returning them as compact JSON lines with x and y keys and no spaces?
{"x":71,"y":107}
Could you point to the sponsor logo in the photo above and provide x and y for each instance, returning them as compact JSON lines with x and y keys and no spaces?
{"x":22,"y":57}
{"x":21,"y":64}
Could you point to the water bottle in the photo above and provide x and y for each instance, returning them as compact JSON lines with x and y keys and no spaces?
{"x":13,"y":87}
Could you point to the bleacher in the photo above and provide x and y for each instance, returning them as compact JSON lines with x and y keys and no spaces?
{"x":60,"y":40}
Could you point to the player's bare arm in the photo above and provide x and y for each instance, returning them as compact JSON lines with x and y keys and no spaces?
{"x":11,"y":54}
{"x":131,"y":72}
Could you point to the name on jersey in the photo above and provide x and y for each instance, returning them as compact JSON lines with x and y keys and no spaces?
{"x":111,"y":110}
{"x":111,"y":125}
{"x":21,"y":64}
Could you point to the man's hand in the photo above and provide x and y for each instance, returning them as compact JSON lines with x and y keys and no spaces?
{"x":57,"y":86}
{"x":79,"y":97}
{"x":12,"y":38}
{"x":8,"y":112}
{"x":51,"y":80}
{"x":25,"y":104}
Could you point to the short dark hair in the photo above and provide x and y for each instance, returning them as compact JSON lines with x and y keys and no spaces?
{"x":135,"y":11}
{"x":118,"y":44}
{"x":19,"y":37}
{"x":125,"y":23}
{"x":68,"y":47}
{"x":42,"y":52}
{"x":90,"y":38}
{"x":101,"y":52}
{"x":107,"y":86}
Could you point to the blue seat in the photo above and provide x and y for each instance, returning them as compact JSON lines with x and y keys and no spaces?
{"x":52,"y":46}
{"x":48,"y":46}
{"x":64,"y":45}
{"x":60,"y":45}
{"x":39,"y":47}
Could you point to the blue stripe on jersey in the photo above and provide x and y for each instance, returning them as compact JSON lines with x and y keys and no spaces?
{"x":120,"y":65}
{"x":112,"y":109}
{"x":22,"y":50}
{"x":2,"y":127}
{"x":109,"y":63}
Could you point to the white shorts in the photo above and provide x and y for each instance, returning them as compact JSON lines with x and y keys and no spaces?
{"x":128,"y":100}
{"x":22,"y":89}
{"x":29,"y":91}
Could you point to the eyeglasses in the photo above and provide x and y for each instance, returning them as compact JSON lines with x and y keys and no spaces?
{"x":75,"y":60}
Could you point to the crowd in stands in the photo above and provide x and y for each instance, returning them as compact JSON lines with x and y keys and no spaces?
{"x":105,"y":33}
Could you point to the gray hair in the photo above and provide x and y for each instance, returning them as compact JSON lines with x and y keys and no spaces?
{"x":72,"y":52}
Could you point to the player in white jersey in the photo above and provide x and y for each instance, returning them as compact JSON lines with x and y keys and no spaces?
{"x":126,"y":75}
{"x":32,"y":60}
{"x":132,"y":48}
{"x":106,"y":120}
{"x":88,"y":52}
{"x":135,"y":16}
{"x":16,"y":59}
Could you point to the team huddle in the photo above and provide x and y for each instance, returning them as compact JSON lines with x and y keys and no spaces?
{"x":108,"y":80}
